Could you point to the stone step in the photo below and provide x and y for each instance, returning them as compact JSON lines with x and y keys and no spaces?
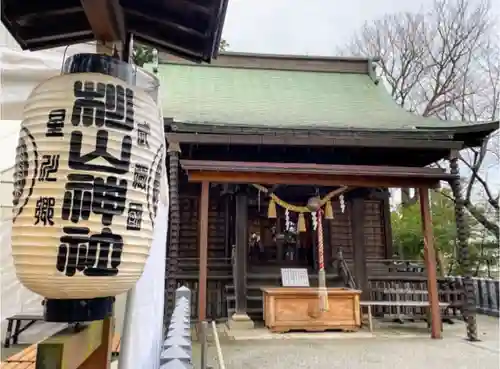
{"x":250,"y":311}
{"x":249,"y":298}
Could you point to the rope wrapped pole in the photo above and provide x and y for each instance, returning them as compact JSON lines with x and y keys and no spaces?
{"x":322,"y":290}
{"x":469,"y":308}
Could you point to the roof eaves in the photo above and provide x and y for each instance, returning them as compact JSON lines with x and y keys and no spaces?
{"x":231,"y":128}
{"x":300,"y":57}
{"x":472,"y":134}
{"x":297,"y":63}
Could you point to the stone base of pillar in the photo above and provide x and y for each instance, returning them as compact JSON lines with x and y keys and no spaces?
{"x":240,"y":321}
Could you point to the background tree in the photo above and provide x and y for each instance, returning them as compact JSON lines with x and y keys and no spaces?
{"x":408,"y":236}
{"x":143,"y":54}
{"x":445,"y":63}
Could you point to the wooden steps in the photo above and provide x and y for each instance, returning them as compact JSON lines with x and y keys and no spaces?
{"x":26,"y":359}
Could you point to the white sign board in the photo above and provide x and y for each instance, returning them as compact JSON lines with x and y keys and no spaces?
{"x":294,"y":277}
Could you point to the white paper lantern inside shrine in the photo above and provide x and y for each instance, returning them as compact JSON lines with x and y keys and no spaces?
{"x":87,"y":178}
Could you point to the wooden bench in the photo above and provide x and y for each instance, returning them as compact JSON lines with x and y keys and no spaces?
{"x":15,"y":322}
{"x":26,"y":359}
{"x":398,"y":305}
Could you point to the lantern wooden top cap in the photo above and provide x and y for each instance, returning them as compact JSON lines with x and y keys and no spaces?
{"x":190,"y":29}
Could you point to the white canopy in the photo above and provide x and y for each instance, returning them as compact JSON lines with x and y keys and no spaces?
{"x":21,"y":72}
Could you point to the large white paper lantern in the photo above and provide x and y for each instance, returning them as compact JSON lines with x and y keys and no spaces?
{"x":89,"y":164}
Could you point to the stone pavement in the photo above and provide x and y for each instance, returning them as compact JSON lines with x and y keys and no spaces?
{"x":395,"y":346}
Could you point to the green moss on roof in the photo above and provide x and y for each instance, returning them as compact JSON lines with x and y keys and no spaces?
{"x":281,"y":99}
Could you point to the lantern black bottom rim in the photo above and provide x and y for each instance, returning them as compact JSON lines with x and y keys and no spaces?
{"x":78,"y":310}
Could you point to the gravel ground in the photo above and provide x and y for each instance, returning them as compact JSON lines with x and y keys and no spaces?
{"x":419,"y":352}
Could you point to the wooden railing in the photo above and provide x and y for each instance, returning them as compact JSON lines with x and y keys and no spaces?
{"x":449,"y":291}
{"x":395,"y":268}
{"x":345,"y":272}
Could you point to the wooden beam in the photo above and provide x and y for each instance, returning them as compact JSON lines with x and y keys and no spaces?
{"x":416,"y":173}
{"x":101,"y":357}
{"x":430,"y":262}
{"x":69,"y":349}
{"x":106,"y":19}
{"x":308,"y":179}
{"x":203,"y":216}
{"x":311,"y":140}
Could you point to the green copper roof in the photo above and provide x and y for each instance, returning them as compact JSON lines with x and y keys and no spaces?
{"x":282,"y":99}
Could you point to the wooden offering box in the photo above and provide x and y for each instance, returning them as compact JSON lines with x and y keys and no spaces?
{"x":297,"y":308}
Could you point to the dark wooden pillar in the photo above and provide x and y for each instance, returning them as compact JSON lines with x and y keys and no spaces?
{"x":227,"y":226}
{"x":174,"y":229}
{"x":240,"y":268}
{"x":358,"y":243}
{"x":430,"y":262}
{"x":203,"y":239}
{"x":386,"y":214}
{"x":469,"y":307}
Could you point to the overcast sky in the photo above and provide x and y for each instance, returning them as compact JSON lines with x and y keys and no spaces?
{"x":315,"y":27}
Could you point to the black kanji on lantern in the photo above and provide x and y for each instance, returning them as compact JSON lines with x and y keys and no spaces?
{"x":78,"y":196}
{"x":103,"y":104}
{"x":134,"y":217}
{"x":109,"y":198}
{"x":20,"y":171}
{"x":88,"y":162}
{"x":44,"y":211}
{"x":73,"y":250}
{"x":140,"y":176}
{"x":105,"y":253}
{"x":55,"y":123}
{"x":25,"y":171}
{"x":157,"y":186}
{"x":142,"y":134}
{"x":50,"y":165}
{"x":97,"y":255}
{"x":154,"y":184}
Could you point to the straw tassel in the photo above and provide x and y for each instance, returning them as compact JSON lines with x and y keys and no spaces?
{"x":328,"y":210}
{"x":302,"y":223}
{"x":271,"y":210}
{"x":322,"y":292}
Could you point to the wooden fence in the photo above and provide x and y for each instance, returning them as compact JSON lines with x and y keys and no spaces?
{"x":451,"y":290}
{"x":487,"y":292}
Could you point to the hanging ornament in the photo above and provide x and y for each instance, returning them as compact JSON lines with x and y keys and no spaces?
{"x":328,"y":210}
{"x":302,"y":223}
{"x":287,"y":220}
{"x":314,"y":221}
{"x":314,"y":203}
{"x":271,"y":210}
{"x":342,"y":203}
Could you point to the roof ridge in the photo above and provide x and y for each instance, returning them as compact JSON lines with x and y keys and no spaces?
{"x":302,"y":63}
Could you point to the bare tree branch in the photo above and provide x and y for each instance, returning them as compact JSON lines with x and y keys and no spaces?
{"x":445,"y":63}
